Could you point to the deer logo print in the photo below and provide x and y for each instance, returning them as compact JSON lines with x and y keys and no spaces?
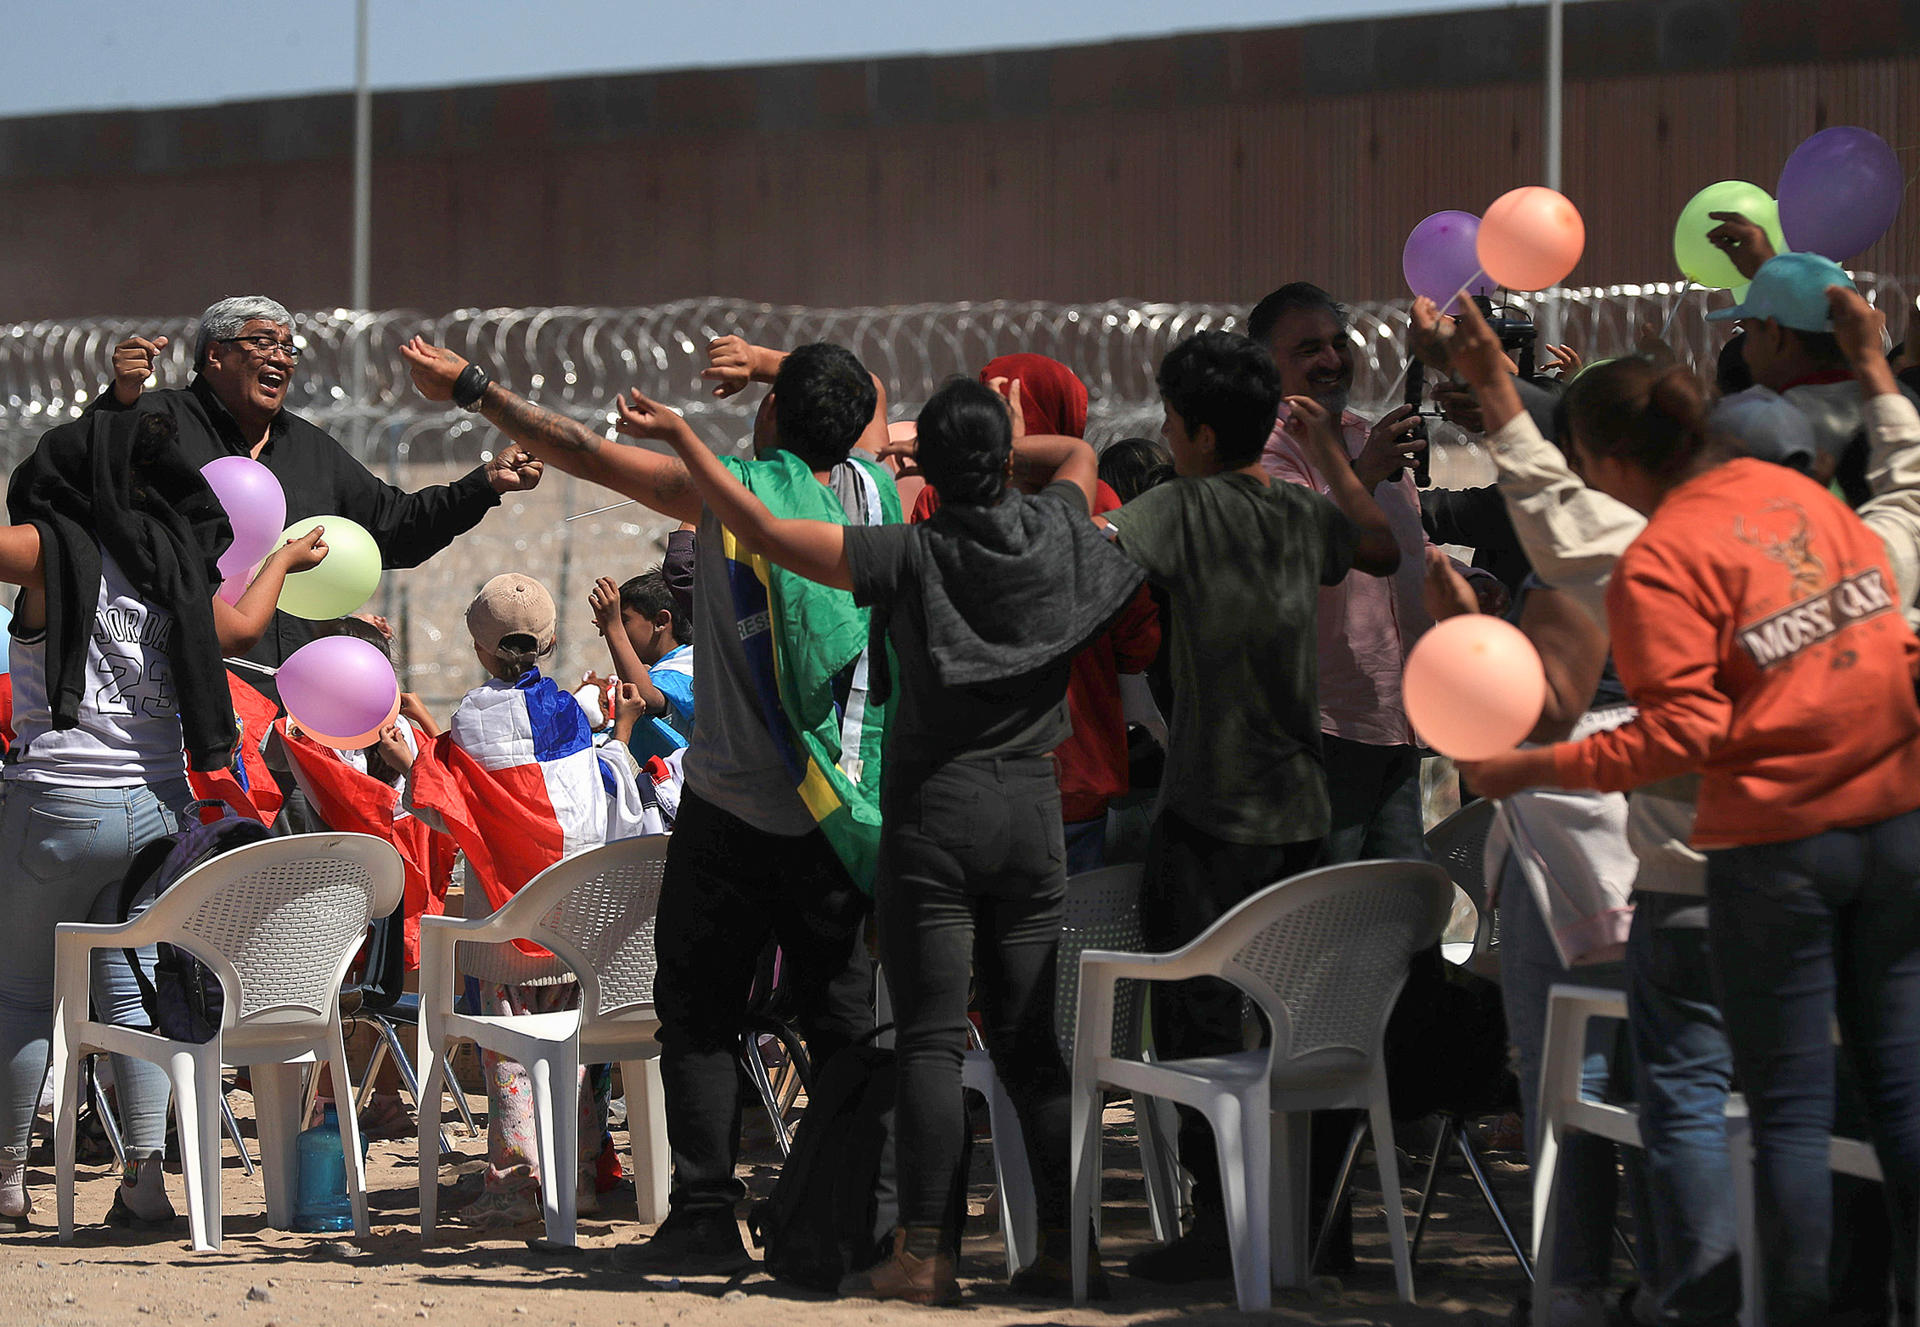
{"x":1782,"y":534}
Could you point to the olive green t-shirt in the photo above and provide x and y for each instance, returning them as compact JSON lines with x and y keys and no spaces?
{"x":1242,"y":563}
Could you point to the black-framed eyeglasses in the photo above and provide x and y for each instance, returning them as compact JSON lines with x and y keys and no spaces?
{"x":264,"y":346}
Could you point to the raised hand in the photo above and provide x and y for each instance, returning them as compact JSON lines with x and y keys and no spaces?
{"x":514,"y":470}
{"x":133,"y":361}
{"x":1562,"y":360}
{"x":1857,"y":326}
{"x":639,"y":417}
{"x":604,"y":599}
{"x":1741,"y":240}
{"x":729,"y":365}
{"x":432,"y":368}
{"x":393,"y":748}
{"x":1009,"y":390}
{"x":415,"y":710}
{"x":309,"y":550}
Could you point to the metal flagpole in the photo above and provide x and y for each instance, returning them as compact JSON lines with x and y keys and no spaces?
{"x":362,"y":162}
{"x":1556,"y":59}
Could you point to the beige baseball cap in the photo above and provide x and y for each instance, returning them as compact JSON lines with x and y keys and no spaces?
{"x":511,"y":605}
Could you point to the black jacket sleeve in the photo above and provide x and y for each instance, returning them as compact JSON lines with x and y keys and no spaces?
{"x":408,"y":527}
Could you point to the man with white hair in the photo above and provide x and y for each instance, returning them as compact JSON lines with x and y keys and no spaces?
{"x":244,"y":359}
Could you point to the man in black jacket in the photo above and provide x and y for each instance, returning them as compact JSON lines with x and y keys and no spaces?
{"x":244,"y":360}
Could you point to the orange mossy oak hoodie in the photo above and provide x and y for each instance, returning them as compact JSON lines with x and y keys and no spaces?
{"x":1754,"y":624}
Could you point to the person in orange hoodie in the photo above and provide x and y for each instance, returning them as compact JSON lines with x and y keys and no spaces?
{"x":1756,"y":626}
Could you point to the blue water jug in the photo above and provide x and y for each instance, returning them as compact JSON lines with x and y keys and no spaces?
{"x":321,"y":1202}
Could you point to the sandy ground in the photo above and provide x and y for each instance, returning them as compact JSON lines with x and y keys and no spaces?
{"x":264,"y":1277}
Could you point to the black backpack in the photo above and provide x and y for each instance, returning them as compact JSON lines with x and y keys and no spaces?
{"x":184,"y":1001}
{"x":835,"y":1202}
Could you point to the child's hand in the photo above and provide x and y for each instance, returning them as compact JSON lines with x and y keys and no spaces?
{"x":393,"y":747}
{"x":309,"y":550}
{"x":629,"y":707}
{"x":604,"y":599}
{"x":729,"y":365}
{"x":638,"y":417}
{"x":414,"y":709}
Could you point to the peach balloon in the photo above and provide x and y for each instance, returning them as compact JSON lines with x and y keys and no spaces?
{"x":1474,"y":687}
{"x":1531,"y":238}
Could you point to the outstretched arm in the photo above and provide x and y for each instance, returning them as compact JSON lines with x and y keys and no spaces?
{"x":240,"y":626}
{"x":814,"y":549}
{"x":659,"y":482}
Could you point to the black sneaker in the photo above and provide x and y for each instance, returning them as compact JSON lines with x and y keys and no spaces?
{"x":1204,"y":1253}
{"x":702,"y":1241}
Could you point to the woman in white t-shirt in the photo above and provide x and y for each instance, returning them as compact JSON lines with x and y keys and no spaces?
{"x":75,"y":805}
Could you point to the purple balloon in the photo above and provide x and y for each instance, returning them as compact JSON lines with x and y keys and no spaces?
{"x":338,"y":685}
{"x":1441,"y":257}
{"x":256,"y":508}
{"x":1839,"y":192}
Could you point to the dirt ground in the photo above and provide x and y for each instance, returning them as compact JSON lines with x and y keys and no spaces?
{"x":271,"y":1278}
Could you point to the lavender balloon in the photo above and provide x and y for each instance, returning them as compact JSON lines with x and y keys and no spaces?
{"x":1441,"y":256}
{"x":256,"y":508}
{"x":1839,"y":192}
{"x":338,"y":685}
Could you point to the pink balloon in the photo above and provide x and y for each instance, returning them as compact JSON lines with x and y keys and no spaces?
{"x":339,"y":685}
{"x":1474,"y":687}
{"x":1530,"y":238}
{"x":256,"y":507}
{"x":360,"y":740}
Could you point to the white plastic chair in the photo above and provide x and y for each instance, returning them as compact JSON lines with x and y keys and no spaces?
{"x":1102,"y":911}
{"x":595,"y":912}
{"x":278,"y":922}
{"x":1569,"y":1008}
{"x":1323,"y":955}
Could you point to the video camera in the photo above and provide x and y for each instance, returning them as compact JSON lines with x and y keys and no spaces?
{"x":1514,"y":327}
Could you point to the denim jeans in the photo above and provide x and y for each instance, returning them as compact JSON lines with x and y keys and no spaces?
{"x":1803,"y":932}
{"x":70,"y":848}
{"x":1086,"y":845}
{"x":1375,"y":795}
{"x":1683,"y":1071}
{"x":973,"y":884}
{"x":1529,"y":968}
{"x":728,"y":888}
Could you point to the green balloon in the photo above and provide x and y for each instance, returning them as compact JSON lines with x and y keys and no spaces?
{"x":1701,"y":262}
{"x":345,"y":579}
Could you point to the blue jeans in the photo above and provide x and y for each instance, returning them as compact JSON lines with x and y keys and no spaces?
{"x":1086,"y":845}
{"x":1803,"y":932}
{"x":71,"y":848}
{"x":1683,"y":1071}
{"x":1529,"y":968}
{"x":1375,"y":795}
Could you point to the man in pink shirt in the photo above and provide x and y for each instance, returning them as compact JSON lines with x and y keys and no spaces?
{"x":1367,"y":623}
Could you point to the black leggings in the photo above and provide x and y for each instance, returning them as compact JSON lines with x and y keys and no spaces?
{"x":972,"y":881}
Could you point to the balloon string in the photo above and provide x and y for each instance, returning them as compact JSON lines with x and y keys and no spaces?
{"x":248,"y":663}
{"x":597,"y":510}
{"x":1454,"y":298}
{"x":1674,"y":313}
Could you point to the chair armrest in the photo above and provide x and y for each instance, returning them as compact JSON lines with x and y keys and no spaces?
{"x":1116,"y":965}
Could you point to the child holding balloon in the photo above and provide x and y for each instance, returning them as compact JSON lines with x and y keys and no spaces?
{"x":79,"y":799}
{"x":1756,"y":626}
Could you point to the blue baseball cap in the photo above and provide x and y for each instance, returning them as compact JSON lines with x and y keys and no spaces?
{"x":1791,"y":289}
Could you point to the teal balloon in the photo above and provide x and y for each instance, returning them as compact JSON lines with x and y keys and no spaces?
{"x":345,"y":579}
{"x":1699,"y":260}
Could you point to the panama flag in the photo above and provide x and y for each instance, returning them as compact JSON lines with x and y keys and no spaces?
{"x":518,"y":783}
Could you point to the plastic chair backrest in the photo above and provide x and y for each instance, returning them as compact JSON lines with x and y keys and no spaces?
{"x":279,"y":921}
{"x":595,"y":911}
{"x":1325,"y":953}
{"x":1102,"y":912}
{"x":1459,"y":844}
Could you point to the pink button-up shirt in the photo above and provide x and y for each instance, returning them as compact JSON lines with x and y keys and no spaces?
{"x":1367,"y":623}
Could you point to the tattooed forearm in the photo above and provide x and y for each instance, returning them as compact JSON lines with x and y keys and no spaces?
{"x":535,"y":426}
